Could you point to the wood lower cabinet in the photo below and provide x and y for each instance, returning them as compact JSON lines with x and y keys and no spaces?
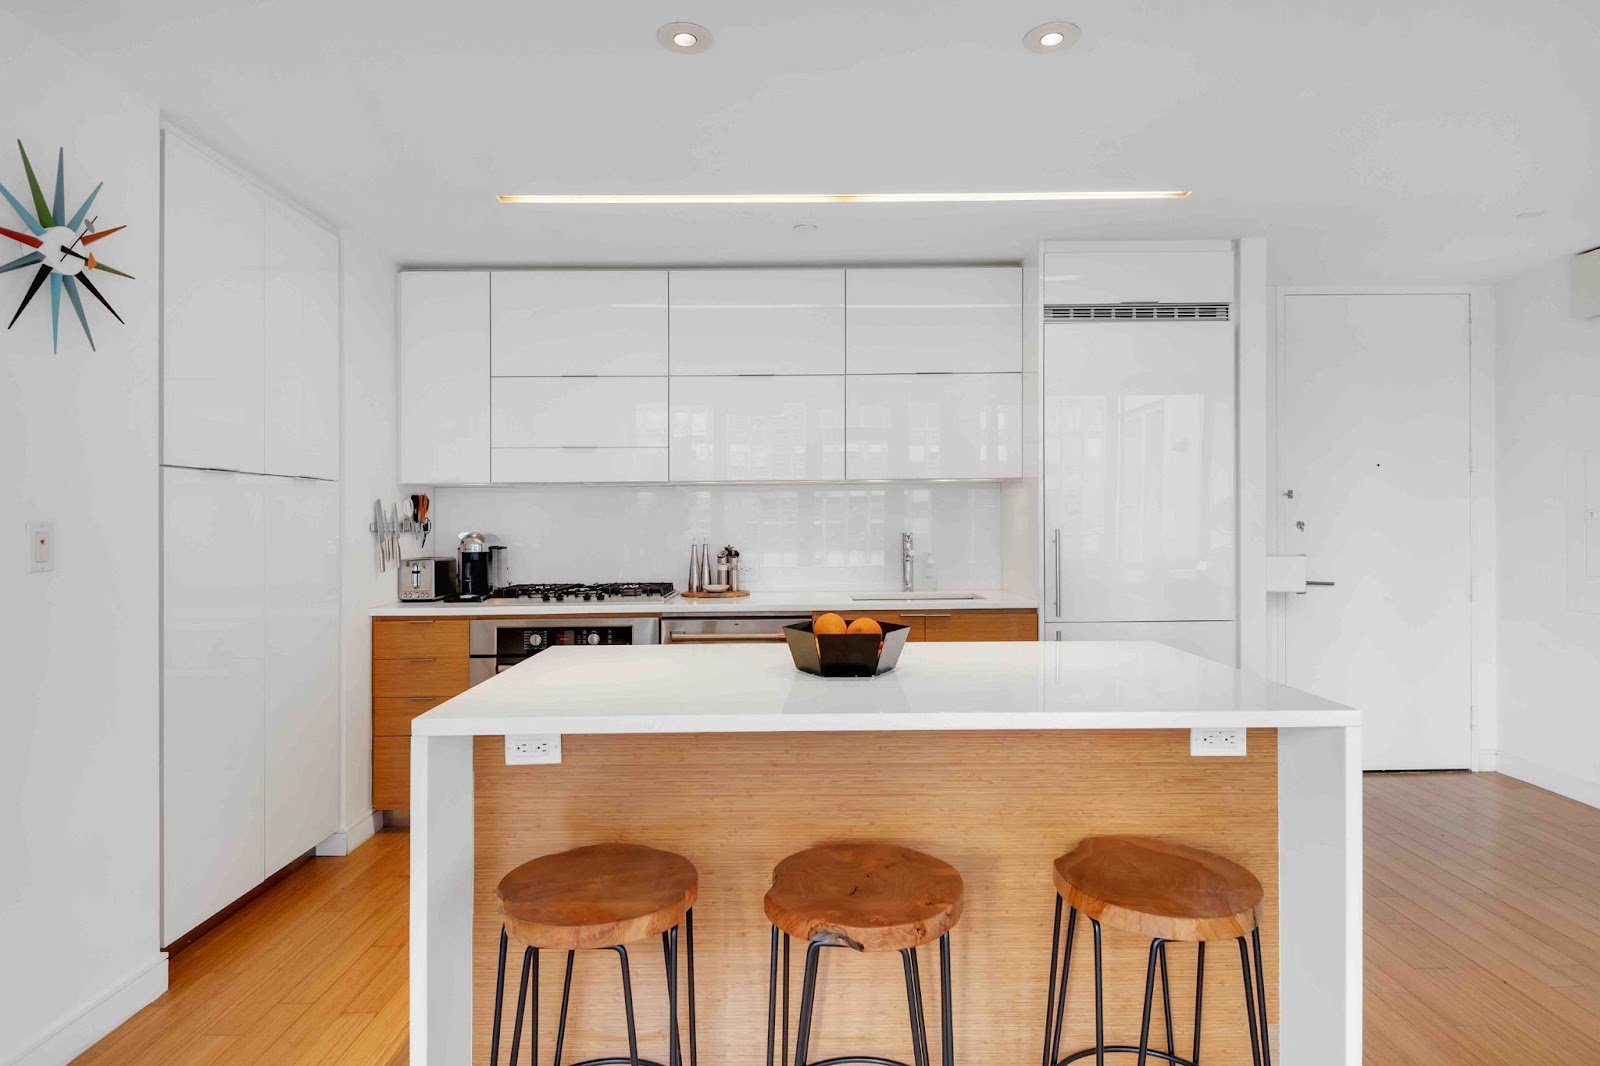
{"x":956,"y":625}
{"x":417,"y":664}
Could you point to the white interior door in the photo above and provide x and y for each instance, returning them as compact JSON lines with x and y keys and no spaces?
{"x":1373,"y":442}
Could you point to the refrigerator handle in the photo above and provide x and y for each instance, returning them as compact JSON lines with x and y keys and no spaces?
{"x":1057,"y":539}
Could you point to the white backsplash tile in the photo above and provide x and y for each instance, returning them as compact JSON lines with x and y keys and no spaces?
{"x":843,"y":537}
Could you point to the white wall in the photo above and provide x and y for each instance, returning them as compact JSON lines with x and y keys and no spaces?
{"x":367,"y":471}
{"x":79,"y":764}
{"x":1549,"y":652}
{"x":790,"y":536}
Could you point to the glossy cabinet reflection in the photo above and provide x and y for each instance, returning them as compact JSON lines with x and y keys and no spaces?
{"x":758,"y":429}
{"x":906,"y":426}
{"x":607,"y":322}
{"x":1202,"y":272}
{"x":1139,"y":471}
{"x":909,"y":320}
{"x":757,"y":321}
{"x":444,"y":377}
{"x":301,"y":345}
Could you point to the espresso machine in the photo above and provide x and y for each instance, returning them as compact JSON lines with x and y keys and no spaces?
{"x":480,"y":566}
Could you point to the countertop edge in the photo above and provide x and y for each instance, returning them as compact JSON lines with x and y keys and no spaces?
{"x":758,"y":603}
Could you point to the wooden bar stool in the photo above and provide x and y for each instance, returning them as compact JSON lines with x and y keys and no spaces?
{"x":866,"y":897}
{"x":1166,"y":892}
{"x":601,"y":897}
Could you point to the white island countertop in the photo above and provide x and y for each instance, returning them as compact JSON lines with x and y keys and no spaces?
{"x":936,"y":686}
{"x":802,"y":601}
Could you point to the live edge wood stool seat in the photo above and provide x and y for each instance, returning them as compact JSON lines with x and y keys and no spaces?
{"x":601,"y":897}
{"x":1167,"y":892}
{"x":868,"y":898}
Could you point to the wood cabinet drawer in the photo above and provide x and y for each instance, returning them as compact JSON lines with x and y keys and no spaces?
{"x":391,"y":773}
{"x":419,"y":638}
{"x":980,"y":625}
{"x":910,"y":621}
{"x":420,"y":676}
{"x":391,"y":715}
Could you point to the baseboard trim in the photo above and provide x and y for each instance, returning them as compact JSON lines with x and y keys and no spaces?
{"x":1582,"y":789}
{"x":352,"y":836}
{"x":81,"y":1031}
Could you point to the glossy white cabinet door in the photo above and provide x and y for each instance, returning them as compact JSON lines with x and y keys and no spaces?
{"x":907,"y":426}
{"x":1218,"y":641}
{"x":213,"y":304}
{"x":302,"y":345}
{"x":553,"y":322}
{"x":593,"y":465}
{"x":444,"y":377}
{"x":758,"y":429}
{"x":933,"y":320}
{"x":1139,"y":471}
{"x":757,"y":321}
{"x":302,"y":666}
{"x":213,"y":627}
{"x":580,"y":412}
{"x":1170,"y":277}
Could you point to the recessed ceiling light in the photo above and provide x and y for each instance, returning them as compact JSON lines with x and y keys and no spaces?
{"x":1052,"y":37}
{"x":806,"y":227}
{"x":843,"y":198}
{"x":684,"y":37}
{"x":1526,"y":216}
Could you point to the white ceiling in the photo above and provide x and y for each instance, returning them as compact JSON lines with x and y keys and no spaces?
{"x":1371,"y":141}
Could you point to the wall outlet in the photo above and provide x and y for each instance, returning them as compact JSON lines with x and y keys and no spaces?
{"x":41,"y":547}
{"x":1216,"y":742}
{"x":538,"y":749}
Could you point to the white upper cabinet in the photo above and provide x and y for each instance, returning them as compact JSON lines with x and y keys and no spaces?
{"x":1139,"y":471}
{"x":1201,"y":274}
{"x":757,"y":321}
{"x":213,"y":300}
{"x":302,"y":345}
{"x":553,"y":322}
{"x":933,"y":320}
{"x":758,"y":429}
{"x":580,"y":412}
{"x":444,"y":377}
{"x":301,"y":731}
{"x":910,"y":426}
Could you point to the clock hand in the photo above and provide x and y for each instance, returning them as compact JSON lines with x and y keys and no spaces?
{"x":68,"y":251}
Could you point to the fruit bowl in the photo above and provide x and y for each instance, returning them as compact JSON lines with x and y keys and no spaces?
{"x":846,"y":654}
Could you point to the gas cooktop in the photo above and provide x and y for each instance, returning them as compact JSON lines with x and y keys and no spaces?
{"x":628,"y":591}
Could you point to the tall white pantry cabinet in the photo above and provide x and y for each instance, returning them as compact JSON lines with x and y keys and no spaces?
{"x":250,"y":535}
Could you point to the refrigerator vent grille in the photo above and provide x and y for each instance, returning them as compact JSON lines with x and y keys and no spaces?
{"x":1136,"y":313}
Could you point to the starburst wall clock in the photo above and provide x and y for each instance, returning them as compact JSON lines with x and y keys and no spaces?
{"x":60,"y":249}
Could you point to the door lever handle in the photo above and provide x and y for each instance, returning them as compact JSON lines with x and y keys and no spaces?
{"x":1320,"y":584}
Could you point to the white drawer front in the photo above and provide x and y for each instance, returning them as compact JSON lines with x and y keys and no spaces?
{"x":905,"y":426}
{"x":933,"y":319}
{"x":757,"y":321}
{"x":758,"y":429}
{"x":554,"y":322}
{"x":579,"y":412}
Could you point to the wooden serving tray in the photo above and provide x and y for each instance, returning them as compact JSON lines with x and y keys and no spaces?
{"x":735,"y":594}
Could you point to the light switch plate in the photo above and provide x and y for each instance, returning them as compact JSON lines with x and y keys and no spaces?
{"x":533,"y":749}
{"x":41,"y":547}
{"x":1209,"y":742}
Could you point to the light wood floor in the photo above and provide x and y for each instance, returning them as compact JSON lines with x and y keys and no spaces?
{"x":1483,"y":944}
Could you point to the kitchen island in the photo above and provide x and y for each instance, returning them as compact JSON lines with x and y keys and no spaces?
{"x":995,"y":756}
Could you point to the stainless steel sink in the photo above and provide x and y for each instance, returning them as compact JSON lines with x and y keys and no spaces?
{"x":865,"y":597}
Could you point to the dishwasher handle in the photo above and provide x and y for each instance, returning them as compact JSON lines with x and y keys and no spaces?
{"x":726,"y":638}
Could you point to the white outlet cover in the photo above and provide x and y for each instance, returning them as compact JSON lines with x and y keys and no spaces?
{"x":533,"y":749}
{"x":1216,"y":742}
{"x":41,"y":547}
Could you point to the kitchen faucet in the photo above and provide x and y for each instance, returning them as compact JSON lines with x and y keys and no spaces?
{"x":907,"y":564}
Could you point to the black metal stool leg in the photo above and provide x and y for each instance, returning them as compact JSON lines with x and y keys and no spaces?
{"x":786,"y":999}
{"x":533,"y":1013}
{"x":669,"y":955}
{"x":627,"y":1004}
{"x":1099,"y":1001}
{"x":772,"y":999}
{"x":919,"y":1036}
{"x":1166,"y":1000}
{"x":522,"y":999}
{"x":1061,"y":995}
{"x":1261,"y":999}
{"x":1199,"y":993}
{"x":947,"y":1009}
{"x":566,"y":997}
{"x":1050,"y":984}
{"x":688,"y":938}
{"x":808,"y":993}
{"x":1149,"y":995}
{"x":1249,"y":1004}
{"x":499,"y":1000}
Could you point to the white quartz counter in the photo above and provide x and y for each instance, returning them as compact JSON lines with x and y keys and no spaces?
{"x":945,"y":686}
{"x":795,"y":602}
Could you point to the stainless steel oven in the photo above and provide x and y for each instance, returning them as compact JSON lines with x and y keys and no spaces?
{"x":728,"y":629}
{"x":498,"y":644}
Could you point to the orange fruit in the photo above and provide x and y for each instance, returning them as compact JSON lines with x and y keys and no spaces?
{"x":866,"y":625}
{"x":829,"y":623}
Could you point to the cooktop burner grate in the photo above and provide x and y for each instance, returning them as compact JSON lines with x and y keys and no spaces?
{"x":591,"y":593}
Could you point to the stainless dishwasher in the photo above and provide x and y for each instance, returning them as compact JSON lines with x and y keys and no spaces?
{"x":728,"y":629}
